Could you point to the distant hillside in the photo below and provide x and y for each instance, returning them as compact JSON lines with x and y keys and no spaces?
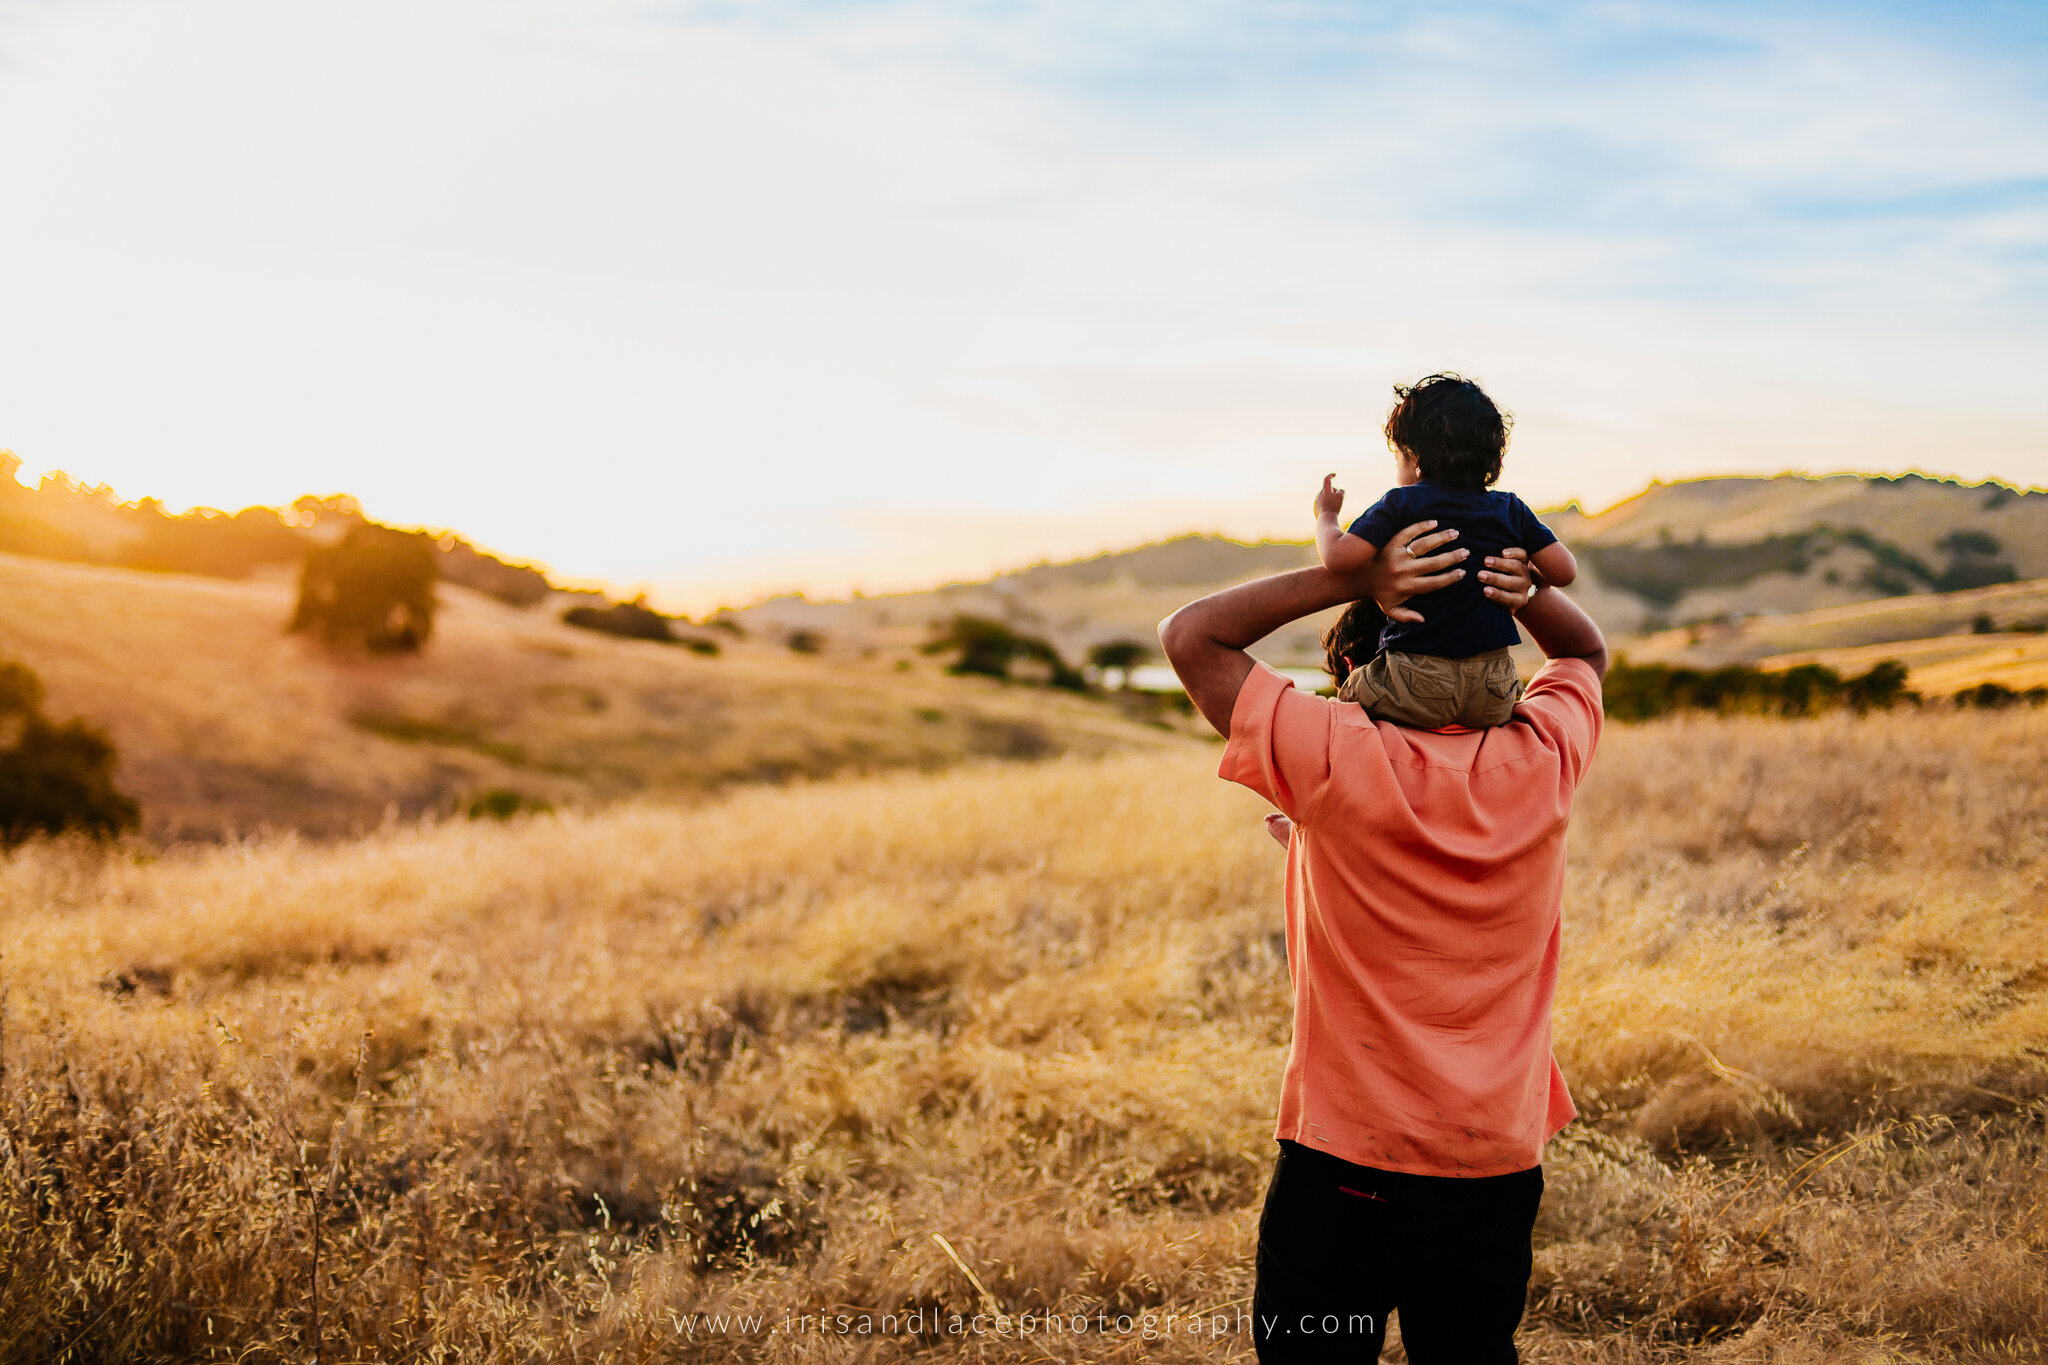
{"x":1948,"y":641}
{"x":1940,"y":667}
{"x":1684,"y":552}
{"x":226,"y":723}
{"x":64,"y":519}
{"x":1675,"y":554}
{"x":1074,"y":606}
{"x":1981,"y":614}
{"x":1697,"y":556}
{"x":1186,"y":561}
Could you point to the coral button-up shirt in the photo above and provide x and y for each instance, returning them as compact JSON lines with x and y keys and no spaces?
{"x":1425,"y":884}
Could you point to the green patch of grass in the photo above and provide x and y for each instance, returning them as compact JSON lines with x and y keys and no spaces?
{"x":502,"y":803}
{"x":572,"y":697}
{"x":451,"y":732}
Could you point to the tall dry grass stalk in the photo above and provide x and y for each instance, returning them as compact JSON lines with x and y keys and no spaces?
{"x":1006,"y":1041}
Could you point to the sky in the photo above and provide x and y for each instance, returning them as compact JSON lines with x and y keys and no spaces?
{"x":726,"y":297}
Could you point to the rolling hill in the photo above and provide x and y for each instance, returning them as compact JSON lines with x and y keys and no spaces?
{"x":1678,"y":554}
{"x":1681,"y":554}
{"x":1948,"y":641}
{"x":1985,"y":616}
{"x":224,"y":723}
{"x":1716,"y":548}
{"x":66,"y":519}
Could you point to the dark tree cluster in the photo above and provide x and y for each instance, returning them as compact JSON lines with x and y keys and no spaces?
{"x":53,"y":778}
{"x":1644,"y":691}
{"x":1122,"y":655}
{"x":993,"y":650}
{"x":373,"y":590}
{"x":1663,"y":571}
{"x":1973,"y":562}
{"x":517,"y":585}
{"x":1993,"y":696}
{"x":635,"y":620}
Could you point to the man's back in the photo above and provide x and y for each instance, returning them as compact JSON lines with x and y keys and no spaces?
{"x":1424,"y":886}
{"x":1423,"y":891}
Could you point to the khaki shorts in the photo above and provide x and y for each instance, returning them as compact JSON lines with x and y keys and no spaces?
{"x":1427,"y":693}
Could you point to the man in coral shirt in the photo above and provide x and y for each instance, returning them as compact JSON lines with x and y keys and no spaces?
{"x":1424,"y":883}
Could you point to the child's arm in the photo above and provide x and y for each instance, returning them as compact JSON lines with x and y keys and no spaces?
{"x":1337,"y":548}
{"x":1554,"y":565}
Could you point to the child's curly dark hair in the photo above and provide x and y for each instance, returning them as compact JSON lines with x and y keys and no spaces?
{"x":1451,"y":429}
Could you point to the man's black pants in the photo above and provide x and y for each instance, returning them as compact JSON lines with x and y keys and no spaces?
{"x":1343,"y":1246}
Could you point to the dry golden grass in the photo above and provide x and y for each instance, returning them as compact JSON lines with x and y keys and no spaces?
{"x":547,"y":1090}
{"x":224,"y":723}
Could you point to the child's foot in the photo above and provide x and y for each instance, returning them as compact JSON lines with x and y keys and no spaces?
{"x":1280,"y":827}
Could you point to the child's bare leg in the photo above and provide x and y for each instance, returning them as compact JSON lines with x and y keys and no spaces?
{"x":1280,"y":827}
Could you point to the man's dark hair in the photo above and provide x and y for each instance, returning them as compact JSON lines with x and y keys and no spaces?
{"x":1451,"y":429}
{"x":1354,"y":635}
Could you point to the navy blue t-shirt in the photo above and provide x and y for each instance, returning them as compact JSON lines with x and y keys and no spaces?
{"x":1458,"y":621}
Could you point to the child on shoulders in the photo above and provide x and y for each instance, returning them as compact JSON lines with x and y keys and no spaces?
{"x":1452,"y":667}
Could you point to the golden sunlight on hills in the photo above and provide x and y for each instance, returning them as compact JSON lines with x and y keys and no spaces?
{"x":1775,"y":553}
{"x":1948,"y":641}
{"x":225,"y":723}
{"x":2008,"y":607}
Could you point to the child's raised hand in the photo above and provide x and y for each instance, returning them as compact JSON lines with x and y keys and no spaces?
{"x":1330,"y":501}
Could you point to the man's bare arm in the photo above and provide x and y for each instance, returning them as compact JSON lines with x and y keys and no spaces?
{"x":1205,"y":640}
{"x":1562,"y":630}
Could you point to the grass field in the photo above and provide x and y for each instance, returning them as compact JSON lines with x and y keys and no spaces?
{"x":557,"y":1089}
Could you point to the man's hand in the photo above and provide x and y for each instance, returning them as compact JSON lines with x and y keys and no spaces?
{"x":1507,"y":578}
{"x":1417,"y":560}
{"x":1330,"y":501}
